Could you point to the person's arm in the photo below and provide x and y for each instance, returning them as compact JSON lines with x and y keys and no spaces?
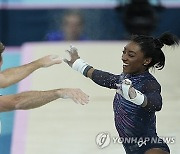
{"x":152,"y":91}
{"x":16,"y":74}
{"x":35,"y":99}
{"x":101,"y":78}
{"x":150,"y":98}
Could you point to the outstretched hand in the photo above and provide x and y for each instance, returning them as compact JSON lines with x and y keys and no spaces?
{"x":77,"y":95}
{"x":73,"y":55}
{"x":129,"y":90}
{"x":49,"y":60}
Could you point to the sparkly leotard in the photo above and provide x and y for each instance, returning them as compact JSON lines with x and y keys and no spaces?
{"x":132,"y":120}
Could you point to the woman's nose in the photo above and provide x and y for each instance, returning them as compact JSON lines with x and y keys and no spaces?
{"x":124,"y":57}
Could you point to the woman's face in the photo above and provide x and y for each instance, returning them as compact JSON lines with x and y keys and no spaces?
{"x":133,"y":59}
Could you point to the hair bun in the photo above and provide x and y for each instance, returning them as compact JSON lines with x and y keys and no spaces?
{"x":158,"y":43}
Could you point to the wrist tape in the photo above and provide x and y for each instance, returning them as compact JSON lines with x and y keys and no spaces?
{"x":138,"y":100}
{"x":81,"y":66}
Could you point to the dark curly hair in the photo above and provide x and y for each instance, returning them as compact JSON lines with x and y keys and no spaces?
{"x":151,"y":47}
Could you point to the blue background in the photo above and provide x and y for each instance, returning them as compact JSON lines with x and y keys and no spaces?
{"x":10,"y":59}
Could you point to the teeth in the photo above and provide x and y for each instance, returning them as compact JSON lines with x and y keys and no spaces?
{"x":125,"y":64}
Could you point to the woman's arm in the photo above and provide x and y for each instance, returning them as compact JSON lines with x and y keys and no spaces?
{"x":101,"y":78}
{"x":149,"y":97}
{"x":152,"y":91}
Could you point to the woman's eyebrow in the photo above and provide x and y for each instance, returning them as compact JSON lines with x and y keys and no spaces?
{"x":130,"y":50}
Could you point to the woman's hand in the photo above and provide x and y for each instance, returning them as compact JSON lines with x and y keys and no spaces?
{"x":126,"y":90}
{"x":73,"y":55}
{"x":131,"y":91}
{"x":78,"y":64}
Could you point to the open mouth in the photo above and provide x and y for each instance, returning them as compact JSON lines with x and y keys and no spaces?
{"x":125,"y":65}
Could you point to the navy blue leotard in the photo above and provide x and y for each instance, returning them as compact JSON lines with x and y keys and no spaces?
{"x":131,"y":120}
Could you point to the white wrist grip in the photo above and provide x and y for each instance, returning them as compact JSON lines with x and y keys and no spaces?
{"x":79,"y":65}
{"x":138,"y":100}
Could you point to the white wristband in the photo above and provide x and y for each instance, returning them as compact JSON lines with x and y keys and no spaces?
{"x":138,"y":100}
{"x":80,"y":65}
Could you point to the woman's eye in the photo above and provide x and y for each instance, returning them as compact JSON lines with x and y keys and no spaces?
{"x":130,"y":55}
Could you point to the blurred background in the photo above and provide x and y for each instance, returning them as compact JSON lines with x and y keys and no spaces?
{"x":30,"y":20}
{"x":45,"y":21}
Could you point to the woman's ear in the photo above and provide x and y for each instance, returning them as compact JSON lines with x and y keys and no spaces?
{"x":147,"y":61}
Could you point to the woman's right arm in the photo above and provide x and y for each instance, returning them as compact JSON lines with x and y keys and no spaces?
{"x":101,"y":78}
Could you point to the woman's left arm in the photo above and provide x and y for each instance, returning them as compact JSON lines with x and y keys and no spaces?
{"x":153,"y":98}
{"x":148,"y":97}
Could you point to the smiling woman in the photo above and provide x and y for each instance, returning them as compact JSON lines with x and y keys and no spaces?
{"x":133,"y":59}
{"x":138,"y":94}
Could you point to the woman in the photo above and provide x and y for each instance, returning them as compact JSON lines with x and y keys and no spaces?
{"x":138,"y":94}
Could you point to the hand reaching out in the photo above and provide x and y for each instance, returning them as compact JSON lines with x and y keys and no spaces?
{"x":73,"y":54}
{"x":78,"y":64}
{"x":126,"y":90}
{"x":77,"y":95}
{"x":49,"y":60}
{"x":129,"y":90}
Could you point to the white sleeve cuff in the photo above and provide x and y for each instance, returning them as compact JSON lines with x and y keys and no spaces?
{"x":80,"y":65}
{"x":138,"y":100}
